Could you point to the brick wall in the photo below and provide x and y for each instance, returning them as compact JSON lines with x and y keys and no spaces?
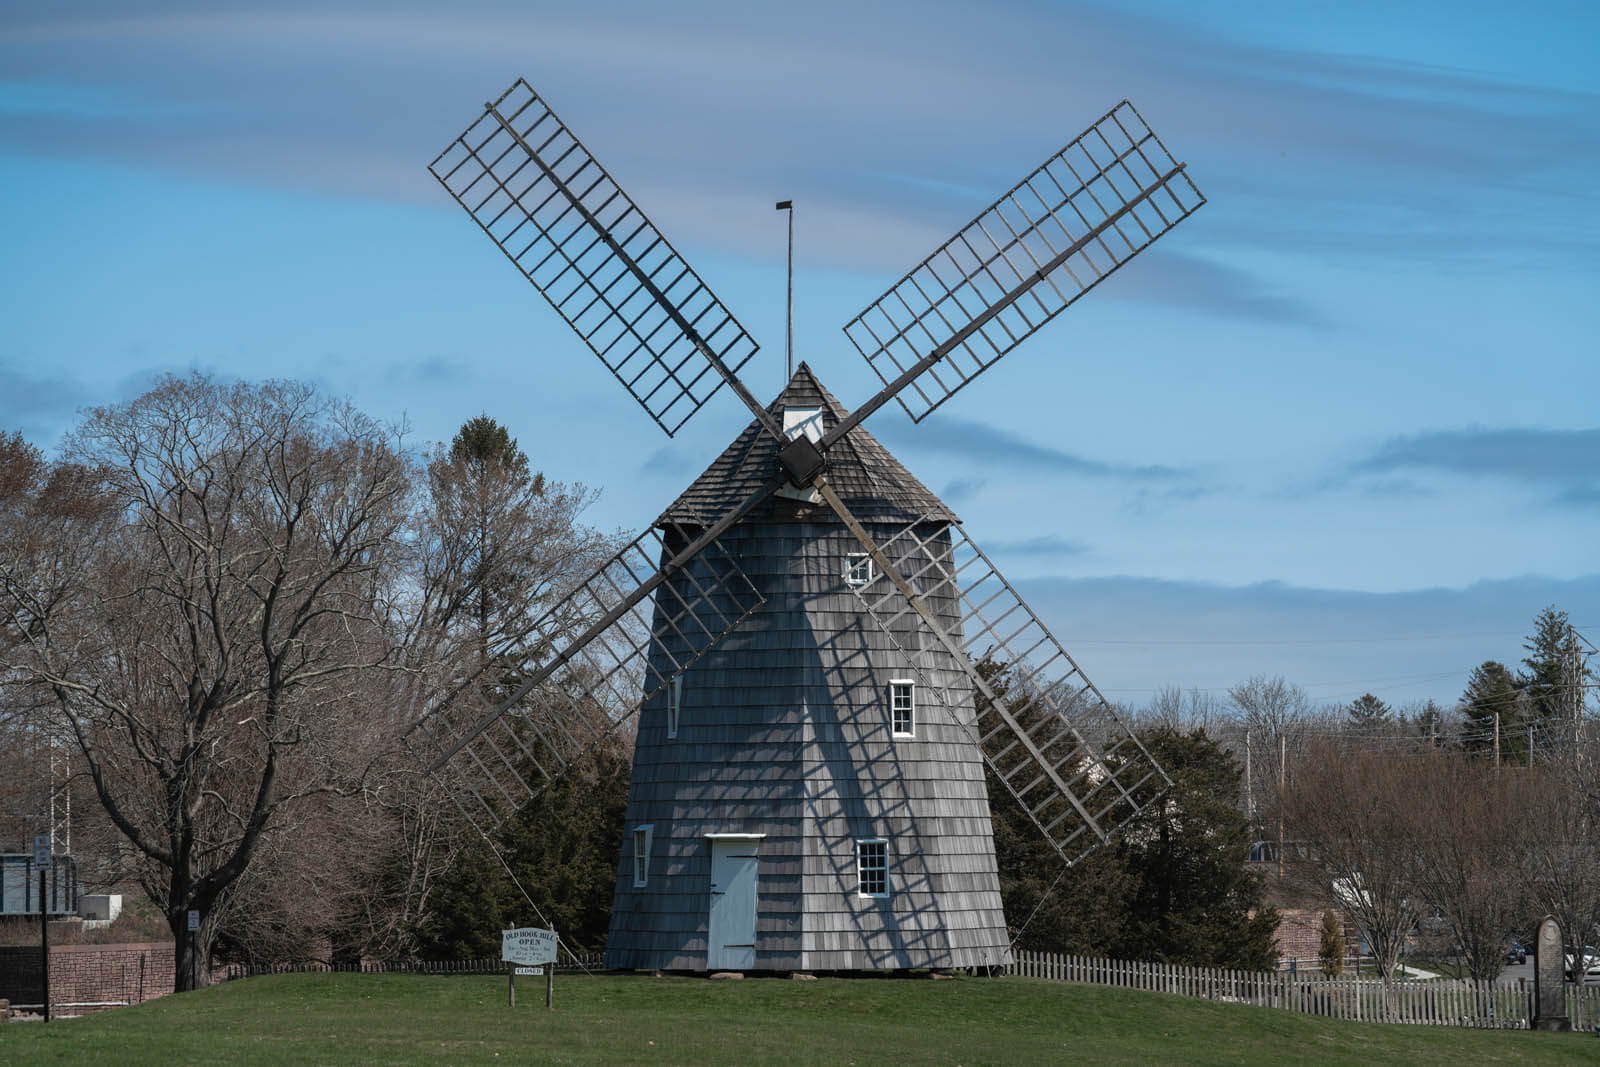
{"x":88,"y":974}
{"x":99,"y":973}
{"x":1299,"y":934}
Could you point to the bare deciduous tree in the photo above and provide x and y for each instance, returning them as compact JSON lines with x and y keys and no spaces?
{"x":497,"y":547}
{"x":1185,"y":710}
{"x":1467,"y":829}
{"x":198,"y":613}
{"x":1559,"y":861}
{"x":1350,"y":810}
{"x":1272,"y":706}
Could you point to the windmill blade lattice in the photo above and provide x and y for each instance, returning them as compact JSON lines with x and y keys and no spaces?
{"x":1046,"y":732}
{"x":1058,"y":233}
{"x":1042,"y":727}
{"x":505,"y":733}
{"x":583,"y":243}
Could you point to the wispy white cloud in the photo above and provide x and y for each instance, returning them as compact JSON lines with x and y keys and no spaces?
{"x":989,"y":445}
{"x":1522,"y":453}
{"x":1048,"y":546}
{"x":699,"y":107}
{"x":1133,"y":635}
{"x":39,"y":406}
{"x":1567,"y":462}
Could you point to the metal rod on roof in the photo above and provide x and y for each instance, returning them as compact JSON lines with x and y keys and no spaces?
{"x":788,"y":205}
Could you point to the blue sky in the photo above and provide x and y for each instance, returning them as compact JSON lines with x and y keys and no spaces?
{"x":1338,"y":426}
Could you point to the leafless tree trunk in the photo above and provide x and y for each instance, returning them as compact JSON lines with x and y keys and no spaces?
{"x":1352,"y":811}
{"x":198,"y":615}
{"x":1559,"y":860}
{"x":1185,"y":711}
{"x":1467,"y":829}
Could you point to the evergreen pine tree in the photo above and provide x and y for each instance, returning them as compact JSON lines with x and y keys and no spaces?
{"x":1367,"y":713}
{"x":1331,"y":950}
{"x":1491,"y":695}
{"x":511,"y":542}
{"x":1194,"y":899}
{"x":1546,"y":678}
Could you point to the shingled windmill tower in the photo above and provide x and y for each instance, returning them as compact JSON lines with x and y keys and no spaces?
{"x":837,"y":813}
{"x":799,"y":634}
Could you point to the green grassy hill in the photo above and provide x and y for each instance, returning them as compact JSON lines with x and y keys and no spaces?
{"x":354,"y":1018}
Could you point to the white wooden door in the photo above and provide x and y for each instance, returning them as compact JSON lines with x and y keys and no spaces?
{"x":732,"y":936}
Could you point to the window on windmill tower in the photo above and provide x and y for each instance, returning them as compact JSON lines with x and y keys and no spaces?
{"x":903,"y":707}
{"x":674,"y":704}
{"x":798,"y":421}
{"x":859,"y":569}
{"x":641,"y":854}
{"x":872,"y":868}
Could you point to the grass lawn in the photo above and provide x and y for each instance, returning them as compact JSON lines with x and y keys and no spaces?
{"x":356,"y":1018}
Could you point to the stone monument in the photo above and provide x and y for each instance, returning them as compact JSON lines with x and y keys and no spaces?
{"x":1549,"y":979}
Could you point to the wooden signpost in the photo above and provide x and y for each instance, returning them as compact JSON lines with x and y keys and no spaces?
{"x":529,"y":950}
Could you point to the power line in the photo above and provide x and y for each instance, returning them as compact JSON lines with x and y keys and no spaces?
{"x":1307,"y":641}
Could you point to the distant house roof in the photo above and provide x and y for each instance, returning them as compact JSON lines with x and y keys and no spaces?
{"x":871,"y":482}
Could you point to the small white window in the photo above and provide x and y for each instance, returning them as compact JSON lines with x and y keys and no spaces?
{"x":806,"y":422}
{"x":872,"y":867}
{"x":641,"y":854}
{"x":903,"y":708}
{"x":674,"y":702}
{"x":859,"y":569}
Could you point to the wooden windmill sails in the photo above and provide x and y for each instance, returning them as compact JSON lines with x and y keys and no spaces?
{"x":1048,"y":734}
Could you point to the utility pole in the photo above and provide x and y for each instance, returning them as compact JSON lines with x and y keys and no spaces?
{"x":1249,"y":781}
{"x":1497,"y":740}
{"x":1283,"y":764}
{"x":1572,"y":680}
{"x":1577,"y":668}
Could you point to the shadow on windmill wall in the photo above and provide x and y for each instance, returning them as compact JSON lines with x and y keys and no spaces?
{"x":924,"y":794}
{"x":784,"y":731}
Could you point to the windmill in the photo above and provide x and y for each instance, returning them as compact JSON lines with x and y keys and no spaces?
{"x":807,"y":635}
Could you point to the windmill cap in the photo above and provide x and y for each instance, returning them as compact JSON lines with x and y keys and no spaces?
{"x":873,"y":484}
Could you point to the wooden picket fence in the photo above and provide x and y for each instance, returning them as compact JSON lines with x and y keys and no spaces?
{"x":592,"y":961}
{"x":1434,"y":1002}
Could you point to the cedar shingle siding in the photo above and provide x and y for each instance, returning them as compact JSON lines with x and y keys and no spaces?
{"x":784,"y":730}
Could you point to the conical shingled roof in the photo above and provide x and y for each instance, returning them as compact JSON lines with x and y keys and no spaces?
{"x":872,"y":483}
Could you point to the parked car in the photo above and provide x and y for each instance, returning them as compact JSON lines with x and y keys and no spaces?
{"x":1516,"y":952}
{"x":1588,"y":973}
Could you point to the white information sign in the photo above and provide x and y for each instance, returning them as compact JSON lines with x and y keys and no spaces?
{"x":528,"y":946}
{"x":41,"y":851}
{"x":524,"y":972}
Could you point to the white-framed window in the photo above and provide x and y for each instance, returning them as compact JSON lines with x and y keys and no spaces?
{"x":674,"y":704}
{"x":859,"y":569}
{"x":872,"y":867}
{"x":641,"y":853}
{"x":903,"y":707}
{"x":802,"y":422}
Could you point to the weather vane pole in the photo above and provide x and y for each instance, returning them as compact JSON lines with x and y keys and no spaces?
{"x":788,"y":205}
